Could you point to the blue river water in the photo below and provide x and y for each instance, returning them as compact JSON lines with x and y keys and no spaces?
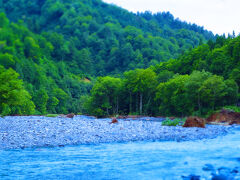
{"x":201,"y":159}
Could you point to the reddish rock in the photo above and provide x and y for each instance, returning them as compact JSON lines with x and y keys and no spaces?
{"x":114,"y":121}
{"x":194,"y":122}
{"x":70,"y":115}
{"x":224,"y":116}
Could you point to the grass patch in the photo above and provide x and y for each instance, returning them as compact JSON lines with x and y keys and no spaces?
{"x":232,"y":108}
{"x":52,"y":115}
{"x":174,"y":122}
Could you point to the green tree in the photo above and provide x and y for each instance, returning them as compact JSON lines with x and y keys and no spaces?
{"x":235,"y":75}
{"x":32,"y":49}
{"x":143,"y":83}
{"x":41,"y":97}
{"x":14,"y":98}
{"x":3,"y":20}
{"x":164,"y":76}
{"x":7,"y":60}
{"x":212,"y":91}
{"x":84,"y":60}
{"x":171,"y":96}
{"x":105,"y":95}
{"x":62,"y":97}
{"x":192,"y":89}
{"x":51,"y":104}
{"x":231,"y":97}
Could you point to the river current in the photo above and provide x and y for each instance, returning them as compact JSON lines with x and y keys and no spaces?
{"x":200,"y":159}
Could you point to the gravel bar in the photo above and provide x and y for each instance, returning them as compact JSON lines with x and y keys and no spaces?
{"x":38,"y":131}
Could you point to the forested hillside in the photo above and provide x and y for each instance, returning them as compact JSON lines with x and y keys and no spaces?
{"x":201,"y":81}
{"x":52,"y":87}
{"x":57,"y":48}
{"x":95,"y":38}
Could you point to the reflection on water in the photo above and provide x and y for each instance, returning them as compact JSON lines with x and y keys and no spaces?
{"x":203,"y":159}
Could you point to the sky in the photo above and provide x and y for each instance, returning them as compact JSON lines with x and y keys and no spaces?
{"x":218,"y":16}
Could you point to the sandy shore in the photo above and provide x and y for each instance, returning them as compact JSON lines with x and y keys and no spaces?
{"x":25,"y":132}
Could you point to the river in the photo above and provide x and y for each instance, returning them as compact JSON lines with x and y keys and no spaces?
{"x":199,"y":159}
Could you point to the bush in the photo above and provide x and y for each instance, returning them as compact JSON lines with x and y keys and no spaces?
{"x":6,"y":110}
{"x":37,"y":113}
{"x":174,"y":122}
{"x":52,"y":115}
{"x":232,"y":108}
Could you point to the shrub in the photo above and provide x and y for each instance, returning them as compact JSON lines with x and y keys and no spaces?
{"x":232,"y":108}
{"x":52,"y":115}
{"x":174,"y":122}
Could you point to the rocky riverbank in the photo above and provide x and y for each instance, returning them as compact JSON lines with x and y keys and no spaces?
{"x":25,"y":132}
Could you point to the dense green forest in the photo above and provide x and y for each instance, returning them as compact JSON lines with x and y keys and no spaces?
{"x":98,"y":39}
{"x":54,"y":50}
{"x":51,"y":85}
{"x":72,"y":42}
{"x":200,"y":81}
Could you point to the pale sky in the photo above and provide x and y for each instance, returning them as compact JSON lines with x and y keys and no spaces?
{"x":218,"y":16}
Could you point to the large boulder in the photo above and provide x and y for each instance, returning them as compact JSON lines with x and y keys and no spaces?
{"x":227,"y":117}
{"x":194,"y":122}
{"x":114,"y":120}
{"x":70,"y":115}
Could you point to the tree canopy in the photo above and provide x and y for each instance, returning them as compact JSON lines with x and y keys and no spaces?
{"x":14,"y":99}
{"x":97,"y":39}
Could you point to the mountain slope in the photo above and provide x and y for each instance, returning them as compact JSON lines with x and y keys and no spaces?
{"x":96,"y":38}
{"x":59,"y":48}
{"x":54,"y":89}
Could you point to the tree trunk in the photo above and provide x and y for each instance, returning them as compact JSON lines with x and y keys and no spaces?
{"x":140,"y":105}
{"x":136,"y":103}
{"x":117,"y":105}
{"x":149,"y":100}
{"x":214,"y":92}
{"x":199,"y":104}
{"x":130,"y":103}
